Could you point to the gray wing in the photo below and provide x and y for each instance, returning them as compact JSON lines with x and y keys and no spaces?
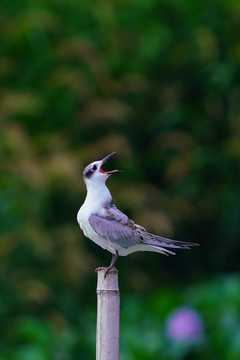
{"x":117,"y":228}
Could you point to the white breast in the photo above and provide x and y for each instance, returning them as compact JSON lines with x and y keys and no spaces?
{"x":82,"y":218}
{"x":97,"y":195}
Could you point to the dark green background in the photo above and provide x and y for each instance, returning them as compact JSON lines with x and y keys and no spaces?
{"x":158,"y":82}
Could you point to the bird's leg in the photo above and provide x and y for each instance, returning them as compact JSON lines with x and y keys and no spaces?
{"x":113,"y":262}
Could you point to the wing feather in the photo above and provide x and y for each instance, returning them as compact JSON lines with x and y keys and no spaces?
{"x":114,"y":226}
{"x":116,"y":232}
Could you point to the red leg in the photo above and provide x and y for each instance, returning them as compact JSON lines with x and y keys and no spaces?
{"x":113,"y":262}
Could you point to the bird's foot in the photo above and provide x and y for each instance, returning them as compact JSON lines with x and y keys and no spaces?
{"x":111,"y":266}
{"x":106,"y":269}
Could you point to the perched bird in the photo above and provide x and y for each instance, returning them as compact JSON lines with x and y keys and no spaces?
{"x":103,"y":223}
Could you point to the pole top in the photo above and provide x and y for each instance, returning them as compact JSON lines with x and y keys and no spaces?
{"x":109,"y":282}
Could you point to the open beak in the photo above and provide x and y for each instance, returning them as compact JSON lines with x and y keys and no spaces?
{"x":112,"y":171}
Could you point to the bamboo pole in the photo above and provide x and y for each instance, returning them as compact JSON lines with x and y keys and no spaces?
{"x":108,"y":305}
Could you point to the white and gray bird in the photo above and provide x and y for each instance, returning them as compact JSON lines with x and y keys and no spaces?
{"x":103,"y":223}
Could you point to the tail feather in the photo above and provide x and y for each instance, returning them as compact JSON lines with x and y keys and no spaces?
{"x":161,"y":250}
{"x":159,"y":241}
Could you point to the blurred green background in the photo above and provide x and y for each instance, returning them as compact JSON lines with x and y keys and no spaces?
{"x":157,"y":81}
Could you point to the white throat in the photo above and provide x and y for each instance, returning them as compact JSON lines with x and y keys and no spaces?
{"x":97,"y":195}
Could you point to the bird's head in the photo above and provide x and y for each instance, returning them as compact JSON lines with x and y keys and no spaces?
{"x":94,"y":174}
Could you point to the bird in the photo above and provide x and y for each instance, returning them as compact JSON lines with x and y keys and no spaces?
{"x":102,"y":222}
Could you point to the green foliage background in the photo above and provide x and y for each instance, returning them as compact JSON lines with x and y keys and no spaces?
{"x":158,"y":82}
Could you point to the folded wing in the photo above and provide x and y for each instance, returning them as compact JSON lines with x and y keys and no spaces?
{"x":116,"y":227}
{"x":123,"y":234}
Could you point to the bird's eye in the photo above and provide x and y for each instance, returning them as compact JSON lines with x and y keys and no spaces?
{"x":94,"y":167}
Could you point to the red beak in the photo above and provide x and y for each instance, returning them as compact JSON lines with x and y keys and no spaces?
{"x":112,"y":171}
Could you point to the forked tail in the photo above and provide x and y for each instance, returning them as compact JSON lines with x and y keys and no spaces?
{"x":159,"y":241}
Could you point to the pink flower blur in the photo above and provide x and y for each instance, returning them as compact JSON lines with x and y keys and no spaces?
{"x":184,"y":324}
